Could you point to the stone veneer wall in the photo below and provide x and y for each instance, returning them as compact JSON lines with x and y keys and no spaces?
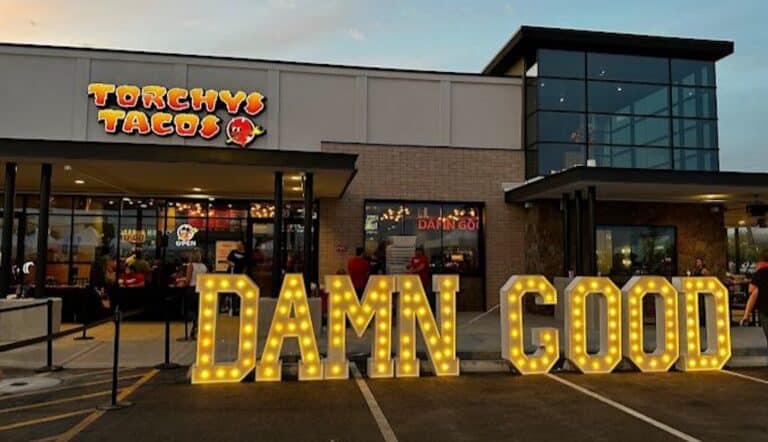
{"x":700,"y":232}
{"x":429,"y":173}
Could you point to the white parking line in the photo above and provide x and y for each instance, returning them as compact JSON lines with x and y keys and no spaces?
{"x":378,"y":415}
{"x":632,"y":412}
{"x":743,"y":376}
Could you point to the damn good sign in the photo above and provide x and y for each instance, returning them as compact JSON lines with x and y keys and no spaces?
{"x":617,"y":312}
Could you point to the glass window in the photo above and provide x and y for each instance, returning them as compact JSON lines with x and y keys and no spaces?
{"x":561,"y":127}
{"x":693,"y":72}
{"x":696,"y":159}
{"x":625,"y":251}
{"x":461,"y":241}
{"x":631,"y":157}
{"x":693,"y":102}
{"x":425,"y":222}
{"x":556,"y":157}
{"x":627,"y":67}
{"x":560,"y":94}
{"x":629,"y":130}
{"x":557,"y":63}
{"x":695,"y":133}
{"x":627,"y":98}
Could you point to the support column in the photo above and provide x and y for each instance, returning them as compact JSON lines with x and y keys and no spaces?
{"x":579,"y":214}
{"x":9,"y":192}
{"x":566,"y":211}
{"x":591,"y":231}
{"x":42,"y":230}
{"x":737,"y":249}
{"x":309,"y":198}
{"x":277,"y":237}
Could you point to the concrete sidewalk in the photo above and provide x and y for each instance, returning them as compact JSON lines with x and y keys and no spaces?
{"x":142,"y":343}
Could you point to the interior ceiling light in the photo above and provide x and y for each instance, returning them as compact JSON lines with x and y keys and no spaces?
{"x":79,"y":182}
{"x":197,"y":189}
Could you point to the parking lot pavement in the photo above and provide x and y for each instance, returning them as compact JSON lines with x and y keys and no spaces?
{"x":561,"y":406}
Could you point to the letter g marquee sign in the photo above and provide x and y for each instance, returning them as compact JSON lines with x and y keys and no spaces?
{"x":617,"y":314}
{"x":145,"y":110}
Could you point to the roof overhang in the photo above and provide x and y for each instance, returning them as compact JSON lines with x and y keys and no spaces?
{"x":734,"y":190}
{"x":162,"y":170}
{"x":529,"y":38}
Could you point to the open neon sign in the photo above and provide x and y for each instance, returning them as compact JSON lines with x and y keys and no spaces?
{"x":619,"y":318}
{"x":131,"y":109}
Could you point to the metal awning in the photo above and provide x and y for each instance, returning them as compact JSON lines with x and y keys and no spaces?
{"x":163,"y":170}
{"x":734,"y":190}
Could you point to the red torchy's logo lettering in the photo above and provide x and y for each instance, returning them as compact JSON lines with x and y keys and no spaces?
{"x":183,"y":112}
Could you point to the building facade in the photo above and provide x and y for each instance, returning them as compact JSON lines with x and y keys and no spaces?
{"x":572,"y":151}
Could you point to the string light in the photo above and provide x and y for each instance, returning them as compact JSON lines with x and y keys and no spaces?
{"x":545,"y":340}
{"x":292,"y":298}
{"x":413,"y":306}
{"x":205,"y":364}
{"x":718,"y":333}
{"x":667,"y":343}
{"x":608,"y":355}
{"x":343,"y":304}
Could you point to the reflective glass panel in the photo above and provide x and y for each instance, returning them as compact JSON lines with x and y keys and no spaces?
{"x":558,"y":63}
{"x":627,"y":98}
{"x":629,"y":130}
{"x":627,"y":67}
{"x":562,"y":127}
{"x":632,"y":157}
{"x":693,"y":72}
{"x":696,"y":159}
{"x":693,"y":102}
{"x":695,"y":133}
{"x":565,"y":95}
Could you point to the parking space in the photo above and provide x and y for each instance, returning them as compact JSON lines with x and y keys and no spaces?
{"x":626,"y":406}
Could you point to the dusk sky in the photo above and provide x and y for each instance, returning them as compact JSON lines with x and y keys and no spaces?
{"x":449,"y":35}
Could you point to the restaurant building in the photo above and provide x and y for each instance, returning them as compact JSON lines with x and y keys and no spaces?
{"x":572,"y":151}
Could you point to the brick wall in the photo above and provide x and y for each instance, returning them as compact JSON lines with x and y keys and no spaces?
{"x":429,"y":173}
{"x":700,"y":232}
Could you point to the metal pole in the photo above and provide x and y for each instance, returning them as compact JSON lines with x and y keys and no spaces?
{"x":49,"y":340}
{"x":167,"y":364}
{"x":309,"y":198}
{"x":737,"y":249}
{"x":592,"y":229}
{"x":7,"y":234}
{"x":42,"y":230}
{"x":277,"y":236}
{"x":565,"y":207}
{"x":579,"y":213}
{"x":114,"y":405}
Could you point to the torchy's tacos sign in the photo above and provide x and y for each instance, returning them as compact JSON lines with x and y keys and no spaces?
{"x":160,"y":111}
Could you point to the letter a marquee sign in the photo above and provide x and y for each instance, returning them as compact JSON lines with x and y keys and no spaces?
{"x":619,"y":319}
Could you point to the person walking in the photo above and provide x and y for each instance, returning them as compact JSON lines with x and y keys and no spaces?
{"x":758,"y":295}
{"x":419,"y":265}
{"x":359,"y":269}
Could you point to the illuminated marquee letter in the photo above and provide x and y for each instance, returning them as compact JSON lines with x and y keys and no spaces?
{"x":110,"y":117}
{"x":293,"y":298}
{"x":667,"y":344}
{"x":609,"y":319}
{"x":100,"y":92}
{"x":545,"y":339}
{"x":718,"y":332}
{"x":127,"y":95}
{"x":413,"y":304}
{"x":206,"y":369}
{"x":343,"y":303}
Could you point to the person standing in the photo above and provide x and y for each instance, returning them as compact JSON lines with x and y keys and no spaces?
{"x":758,"y":295}
{"x":379,"y":259}
{"x":420,"y":265}
{"x":700,"y":267}
{"x":194,"y":269}
{"x":237,"y":259}
{"x":359,"y":269}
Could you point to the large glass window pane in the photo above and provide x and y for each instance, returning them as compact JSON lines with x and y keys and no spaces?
{"x":561,"y":63}
{"x":627,"y":67}
{"x":461,"y":238}
{"x":627,"y":98}
{"x":625,"y":251}
{"x":560,"y":94}
{"x":629,"y":130}
{"x":693,"y":102}
{"x":424,"y":222}
{"x":693,"y":72}
{"x":556,"y":157}
{"x":632,"y":157}
{"x":562,"y":127}
{"x":696,"y":159}
{"x":695,"y":133}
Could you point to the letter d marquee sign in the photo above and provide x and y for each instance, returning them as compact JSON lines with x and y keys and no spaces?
{"x":615,"y":316}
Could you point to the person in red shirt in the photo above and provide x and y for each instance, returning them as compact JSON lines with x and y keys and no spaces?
{"x":420,"y":265}
{"x":132,"y":278}
{"x":359,"y":269}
